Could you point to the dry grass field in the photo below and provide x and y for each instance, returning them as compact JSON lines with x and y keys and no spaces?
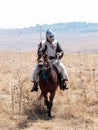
{"x":74,"y":109}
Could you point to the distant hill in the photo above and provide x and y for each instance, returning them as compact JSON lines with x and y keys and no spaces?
{"x":74,"y":37}
{"x":78,"y":27}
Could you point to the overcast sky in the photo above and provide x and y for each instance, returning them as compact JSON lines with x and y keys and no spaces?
{"x":25,"y":13}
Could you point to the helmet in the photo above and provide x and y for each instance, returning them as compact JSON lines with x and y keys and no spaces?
{"x":49,"y":32}
{"x":50,"y":35}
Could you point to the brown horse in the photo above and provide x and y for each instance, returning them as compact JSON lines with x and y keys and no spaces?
{"x":48,"y":81}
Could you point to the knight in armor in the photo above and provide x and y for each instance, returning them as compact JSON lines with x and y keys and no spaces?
{"x":54,"y":50}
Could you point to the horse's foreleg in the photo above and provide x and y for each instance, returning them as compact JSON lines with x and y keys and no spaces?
{"x":45,"y":98}
{"x":51,"y":98}
{"x":52,"y":94}
{"x":48,"y":104}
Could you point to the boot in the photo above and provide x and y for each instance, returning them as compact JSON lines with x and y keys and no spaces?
{"x":63,"y":85}
{"x":35,"y":87}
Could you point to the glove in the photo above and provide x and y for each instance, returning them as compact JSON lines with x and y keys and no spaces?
{"x":59,"y":55}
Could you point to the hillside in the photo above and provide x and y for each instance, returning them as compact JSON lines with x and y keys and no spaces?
{"x":70,"y":42}
{"x":80,"y":27}
{"x":74,"y":37}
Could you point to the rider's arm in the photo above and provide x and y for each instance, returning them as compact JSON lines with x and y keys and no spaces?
{"x":59,"y":50}
{"x":41,"y":48}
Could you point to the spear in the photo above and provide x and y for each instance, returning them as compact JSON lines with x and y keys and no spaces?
{"x":40,"y":45}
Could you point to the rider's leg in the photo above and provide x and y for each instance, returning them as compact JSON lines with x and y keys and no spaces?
{"x":35,"y":79}
{"x":64,"y":77}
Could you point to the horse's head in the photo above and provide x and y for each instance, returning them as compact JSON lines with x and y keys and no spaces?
{"x":43,"y":62}
{"x":40,"y":54}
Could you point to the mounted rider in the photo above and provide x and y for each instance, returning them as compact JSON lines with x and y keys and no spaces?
{"x":52,"y":46}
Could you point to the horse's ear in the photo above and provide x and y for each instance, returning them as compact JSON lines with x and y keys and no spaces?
{"x":40,"y":54}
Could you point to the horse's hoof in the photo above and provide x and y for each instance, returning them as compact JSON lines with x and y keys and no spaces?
{"x":49,"y":118}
